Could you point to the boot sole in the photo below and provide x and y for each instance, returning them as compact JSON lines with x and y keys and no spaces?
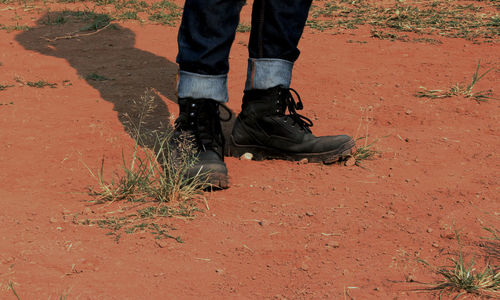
{"x":218,"y":181}
{"x":263,"y":153}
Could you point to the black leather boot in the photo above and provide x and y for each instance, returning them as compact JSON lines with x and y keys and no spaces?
{"x":263,"y":129}
{"x":199,"y":120}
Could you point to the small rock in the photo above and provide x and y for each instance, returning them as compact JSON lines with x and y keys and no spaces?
{"x":303,"y":161}
{"x":162,"y":243}
{"x":52,"y":220}
{"x":351,"y":161}
{"x":408,"y":112}
{"x":447,"y":236}
{"x":246,"y":156}
{"x":333,"y":244}
{"x":309,"y":214}
{"x":219,"y":271}
{"x":429,"y":230}
{"x":435,"y":245}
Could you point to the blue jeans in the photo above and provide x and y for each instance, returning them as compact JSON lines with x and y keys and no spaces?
{"x":207,"y":32}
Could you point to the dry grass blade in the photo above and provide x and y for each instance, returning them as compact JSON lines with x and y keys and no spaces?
{"x":11,"y":287}
{"x":461,"y":89}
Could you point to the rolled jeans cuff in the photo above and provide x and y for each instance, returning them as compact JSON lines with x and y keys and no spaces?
{"x":200,"y":86}
{"x":265,"y":73}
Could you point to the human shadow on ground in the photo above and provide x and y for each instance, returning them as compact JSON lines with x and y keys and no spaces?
{"x":126,"y":72}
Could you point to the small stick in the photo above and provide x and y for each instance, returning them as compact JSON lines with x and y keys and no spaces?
{"x":73,"y":35}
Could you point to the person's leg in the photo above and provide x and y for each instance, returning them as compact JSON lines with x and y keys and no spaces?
{"x":262,"y":127}
{"x":276,"y":30}
{"x":205,"y":36}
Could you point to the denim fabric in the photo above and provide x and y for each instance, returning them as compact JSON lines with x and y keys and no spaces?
{"x":207,"y":32}
{"x":265,"y":73}
{"x":192,"y":85}
{"x":277,"y":26}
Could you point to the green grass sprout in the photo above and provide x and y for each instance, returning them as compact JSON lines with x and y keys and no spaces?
{"x":4,"y":87}
{"x":364,"y":152}
{"x":96,"y":77}
{"x":41,"y":84}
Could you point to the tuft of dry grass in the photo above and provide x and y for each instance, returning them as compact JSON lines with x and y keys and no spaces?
{"x":462,"y":277}
{"x":461,"y":89}
{"x":153,"y":180}
{"x":478,"y":21}
{"x":364,"y":152}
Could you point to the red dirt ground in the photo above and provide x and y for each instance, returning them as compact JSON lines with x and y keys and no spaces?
{"x":302,"y":231}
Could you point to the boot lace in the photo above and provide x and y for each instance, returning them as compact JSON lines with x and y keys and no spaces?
{"x":293,"y":106}
{"x":199,"y":122}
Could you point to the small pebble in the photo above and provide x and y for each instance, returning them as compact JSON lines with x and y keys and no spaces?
{"x":309,"y":214}
{"x":429,"y":230}
{"x":351,"y":161}
{"x":303,"y":161}
{"x":246,"y":156}
{"x":333,"y":244}
{"x":162,"y":243}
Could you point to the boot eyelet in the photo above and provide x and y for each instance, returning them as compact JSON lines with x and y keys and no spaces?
{"x":277,"y":110}
{"x":191,"y":114}
{"x":193,"y":104}
{"x":192,"y":123}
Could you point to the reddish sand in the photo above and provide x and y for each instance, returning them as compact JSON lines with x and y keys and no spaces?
{"x":301,"y":231}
